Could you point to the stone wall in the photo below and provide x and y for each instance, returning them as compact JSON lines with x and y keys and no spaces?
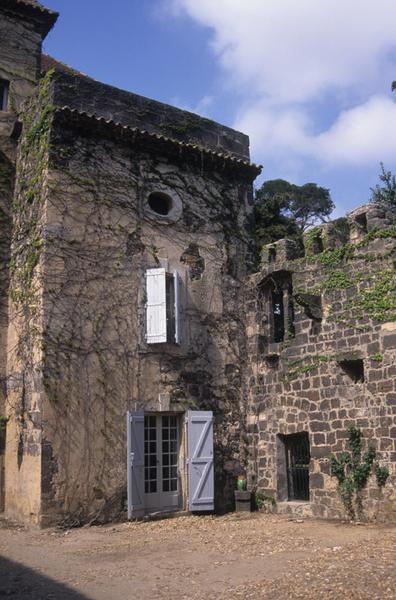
{"x":20,"y":45}
{"x":79,"y":325}
{"x":93,"y":97}
{"x":24,"y":347}
{"x":6,"y":191}
{"x":342,"y":294}
{"x":21,"y":32}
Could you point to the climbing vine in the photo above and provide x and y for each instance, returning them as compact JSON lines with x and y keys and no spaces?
{"x":375,"y":295}
{"x":352,"y":470}
{"x":305,"y":365}
{"x":27,"y":239}
{"x":378,"y":302}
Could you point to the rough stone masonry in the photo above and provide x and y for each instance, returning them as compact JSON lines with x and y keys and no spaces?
{"x":329,"y":364}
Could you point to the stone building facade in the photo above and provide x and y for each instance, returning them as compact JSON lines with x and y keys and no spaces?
{"x":322,"y":351}
{"x":125,"y":258}
{"x":115,"y":196}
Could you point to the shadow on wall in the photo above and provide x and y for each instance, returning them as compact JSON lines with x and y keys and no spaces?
{"x":21,"y":583}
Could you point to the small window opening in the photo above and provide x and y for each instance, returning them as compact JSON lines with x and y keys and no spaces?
{"x":361,"y":222}
{"x":160,"y":203}
{"x":271,"y":255}
{"x":278,"y":315}
{"x":277,"y":304}
{"x":354,"y":369}
{"x":293,"y":466}
{"x":272,"y":361}
{"x":170,"y":308}
{"x":4,"y":87}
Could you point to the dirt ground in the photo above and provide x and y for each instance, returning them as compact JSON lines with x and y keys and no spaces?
{"x":188,"y":557}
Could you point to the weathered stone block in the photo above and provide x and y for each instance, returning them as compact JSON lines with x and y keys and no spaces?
{"x":319,"y":426}
{"x":389,"y":341}
{"x":320,"y":451}
{"x":316,"y":481}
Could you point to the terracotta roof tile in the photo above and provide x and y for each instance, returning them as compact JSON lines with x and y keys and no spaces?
{"x":48,"y":62}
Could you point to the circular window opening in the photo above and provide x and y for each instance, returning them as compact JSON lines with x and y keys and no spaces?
{"x":160,"y":203}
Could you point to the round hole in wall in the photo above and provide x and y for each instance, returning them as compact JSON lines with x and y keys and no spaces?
{"x":160,"y":203}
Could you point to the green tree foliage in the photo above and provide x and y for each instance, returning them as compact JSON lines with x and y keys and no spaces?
{"x":283,"y":209}
{"x":386,"y":192}
{"x":271,"y":213}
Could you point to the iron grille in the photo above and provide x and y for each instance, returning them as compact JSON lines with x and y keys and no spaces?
{"x":298,"y":457}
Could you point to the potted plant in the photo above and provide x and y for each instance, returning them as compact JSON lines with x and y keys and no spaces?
{"x":242,"y":483}
{"x":243,"y":498}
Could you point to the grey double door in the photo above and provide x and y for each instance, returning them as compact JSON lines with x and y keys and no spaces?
{"x":154,"y":457}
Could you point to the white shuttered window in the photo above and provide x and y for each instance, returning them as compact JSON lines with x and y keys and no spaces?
{"x":156,"y":306}
{"x":163,"y":306}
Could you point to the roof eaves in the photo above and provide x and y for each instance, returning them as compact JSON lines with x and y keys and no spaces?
{"x":246,"y":166}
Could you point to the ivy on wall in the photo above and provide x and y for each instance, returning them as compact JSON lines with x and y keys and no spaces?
{"x":353,"y":470}
{"x":27,"y":239}
{"x":375,"y":300}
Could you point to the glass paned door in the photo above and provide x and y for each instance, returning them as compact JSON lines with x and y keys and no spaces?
{"x":170,"y":452}
{"x":150,"y":454}
{"x":161,"y":458}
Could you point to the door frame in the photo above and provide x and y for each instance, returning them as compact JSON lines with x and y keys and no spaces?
{"x":297,"y":469}
{"x":151,"y":506}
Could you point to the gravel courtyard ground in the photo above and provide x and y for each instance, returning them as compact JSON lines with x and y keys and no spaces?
{"x":187,"y":557}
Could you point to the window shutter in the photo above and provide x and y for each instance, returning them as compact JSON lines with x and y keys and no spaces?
{"x":177,"y":283}
{"x":156,"y":306}
{"x":200,"y":460}
{"x":135,"y":464}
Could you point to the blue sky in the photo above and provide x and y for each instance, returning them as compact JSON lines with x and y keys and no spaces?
{"x":309,"y":81}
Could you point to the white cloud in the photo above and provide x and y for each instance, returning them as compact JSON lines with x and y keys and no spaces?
{"x":286,"y":59}
{"x":291,"y":51}
{"x":365,"y":134}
